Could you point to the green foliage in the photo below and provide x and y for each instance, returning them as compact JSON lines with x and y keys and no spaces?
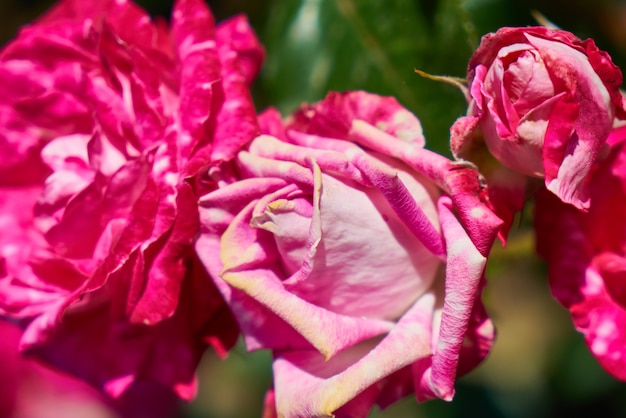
{"x":319,"y":45}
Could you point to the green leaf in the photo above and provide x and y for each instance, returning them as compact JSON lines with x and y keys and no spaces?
{"x":315,"y":46}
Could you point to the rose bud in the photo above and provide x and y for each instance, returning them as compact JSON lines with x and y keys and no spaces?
{"x":354,"y":254}
{"x":543,"y":102}
{"x":107,"y":117}
{"x":586,"y":257}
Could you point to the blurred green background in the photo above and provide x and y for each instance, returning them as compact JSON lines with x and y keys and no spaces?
{"x":540,"y":366}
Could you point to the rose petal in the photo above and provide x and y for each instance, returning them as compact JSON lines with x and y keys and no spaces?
{"x":327,"y":331}
{"x":200,"y":91}
{"x":306,"y":385}
{"x":464,"y":270}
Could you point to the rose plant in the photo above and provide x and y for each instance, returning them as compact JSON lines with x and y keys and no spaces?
{"x":107,"y":119}
{"x":586,"y":257}
{"x":354,"y":254}
{"x":543,"y":102}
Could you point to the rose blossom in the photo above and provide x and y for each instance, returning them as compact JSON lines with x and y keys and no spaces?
{"x":586,"y":256}
{"x":106,"y":119}
{"x":354,"y":254}
{"x":543,"y":102}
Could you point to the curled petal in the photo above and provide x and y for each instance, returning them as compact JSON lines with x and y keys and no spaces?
{"x":464,"y":271}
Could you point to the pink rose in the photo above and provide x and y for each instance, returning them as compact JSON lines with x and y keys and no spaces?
{"x":586,"y":257}
{"x":543,"y":102}
{"x":354,"y":254}
{"x":107,"y":118}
